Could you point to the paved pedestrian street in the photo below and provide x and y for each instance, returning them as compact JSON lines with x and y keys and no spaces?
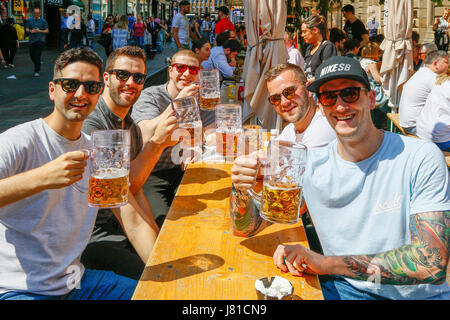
{"x":25,"y":97}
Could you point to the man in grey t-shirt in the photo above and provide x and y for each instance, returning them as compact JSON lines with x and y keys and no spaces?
{"x":151,"y":108}
{"x":181,"y":30}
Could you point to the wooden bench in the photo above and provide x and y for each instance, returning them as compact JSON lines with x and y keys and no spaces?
{"x":393,"y":117}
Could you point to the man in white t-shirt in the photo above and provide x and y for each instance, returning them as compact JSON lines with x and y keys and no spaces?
{"x":45,"y":220}
{"x":286,"y":84}
{"x":295,"y":57}
{"x":417,"y":88}
{"x":181,"y":30}
{"x":378,"y":200}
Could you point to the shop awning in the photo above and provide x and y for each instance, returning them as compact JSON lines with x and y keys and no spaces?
{"x":55,"y":3}
{"x":75,"y":2}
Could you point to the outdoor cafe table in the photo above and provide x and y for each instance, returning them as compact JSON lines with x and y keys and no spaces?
{"x":197,"y":257}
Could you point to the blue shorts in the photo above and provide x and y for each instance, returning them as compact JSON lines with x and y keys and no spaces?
{"x":94,"y":285}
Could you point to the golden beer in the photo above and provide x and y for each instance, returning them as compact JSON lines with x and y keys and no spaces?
{"x":192,"y":135}
{"x":209,"y":103}
{"x":108,"y":192}
{"x":227,"y":143}
{"x":281,"y":204}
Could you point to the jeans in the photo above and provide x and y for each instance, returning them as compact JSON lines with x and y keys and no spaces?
{"x":35,"y":54}
{"x":336,"y":288}
{"x":139,"y":41}
{"x":90,"y":40}
{"x":94,"y":285}
{"x":444,"y":146}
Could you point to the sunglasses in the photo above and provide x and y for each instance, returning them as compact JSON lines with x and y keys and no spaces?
{"x":181,"y":68}
{"x":72,"y":85}
{"x":123,"y":75}
{"x":288,"y":93}
{"x":348,"y":95}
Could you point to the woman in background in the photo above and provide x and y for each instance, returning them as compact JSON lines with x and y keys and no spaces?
{"x":139,"y":31}
{"x":202,"y":48}
{"x":120,"y":33}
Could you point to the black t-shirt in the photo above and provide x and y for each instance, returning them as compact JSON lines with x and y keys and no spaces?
{"x":355,"y":30}
{"x":325,"y":51}
{"x":9,"y":35}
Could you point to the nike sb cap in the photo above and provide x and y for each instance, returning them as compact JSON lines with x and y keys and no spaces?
{"x":339,"y":67}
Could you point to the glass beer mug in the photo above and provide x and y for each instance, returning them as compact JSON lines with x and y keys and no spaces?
{"x":109,"y":165}
{"x":281,"y":196}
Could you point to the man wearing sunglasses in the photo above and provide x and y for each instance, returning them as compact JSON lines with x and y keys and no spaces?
{"x":286,"y":84}
{"x":45,"y":222}
{"x":153,"y":108}
{"x":379,"y":201}
{"x":124,"y":77}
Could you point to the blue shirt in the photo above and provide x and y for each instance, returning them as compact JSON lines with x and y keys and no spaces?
{"x":364,"y":208}
{"x":64,"y":22}
{"x":41,"y":24}
{"x":131,"y":20}
{"x":218,"y":60}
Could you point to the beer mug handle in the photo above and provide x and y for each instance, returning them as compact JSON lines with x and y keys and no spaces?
{"x":88,"y":153}
{"x":254,"y":195}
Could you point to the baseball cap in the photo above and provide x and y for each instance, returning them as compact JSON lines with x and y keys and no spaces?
{"x":184,"y":3}
{"x":339,"y":67}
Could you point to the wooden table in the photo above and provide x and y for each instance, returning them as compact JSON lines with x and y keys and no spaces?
{"x":196,"y":256}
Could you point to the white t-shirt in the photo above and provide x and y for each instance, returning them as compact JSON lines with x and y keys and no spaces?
{"x":42,"y":236}
{"x":364,"y":208}
{"x":434,"y":120}
{"x":181,"y":22}
{"x":295,"y":57}
{"x":318,"y":134}
{"x":414,"y":95}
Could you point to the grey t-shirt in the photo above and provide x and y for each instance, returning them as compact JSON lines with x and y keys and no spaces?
{"x":151,"y":103}
{"x":42,"y":236}
{"x":102,"y":118}
{"x":181,"y":22}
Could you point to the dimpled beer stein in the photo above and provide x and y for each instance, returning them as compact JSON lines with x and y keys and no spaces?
{"x":109,"y":165}
{"x":189,"y":122}
{"x":281,"y":197}
{"x":228,"y":129}
{"x":209,"y":91}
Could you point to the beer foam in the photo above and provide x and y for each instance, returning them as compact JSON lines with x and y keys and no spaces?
{"x":110,"y":173}
{"x":279,"y":287}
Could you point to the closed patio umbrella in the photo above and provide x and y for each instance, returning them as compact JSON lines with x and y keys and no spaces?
{"x":265,"y":22}
{"x":397,"y":66}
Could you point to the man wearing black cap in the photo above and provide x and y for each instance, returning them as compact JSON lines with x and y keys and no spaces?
{"x":224,"y":23}
{"x":379,"y":201}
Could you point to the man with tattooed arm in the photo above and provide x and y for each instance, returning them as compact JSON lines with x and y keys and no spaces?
{"x":379,"y":201}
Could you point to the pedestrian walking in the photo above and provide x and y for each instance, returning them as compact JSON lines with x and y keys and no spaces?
{"x":90,"y":32}
{"x":10,"y":42}
{"x":105,"y":38}
{"x":37,"y":28}
{"x":120,"y":33}
{"x":139,"y":31}
{"x":64,"y":30}
{"x":440,"y":28}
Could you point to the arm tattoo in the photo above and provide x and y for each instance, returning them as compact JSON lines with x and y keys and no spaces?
{"x":423,"y":261}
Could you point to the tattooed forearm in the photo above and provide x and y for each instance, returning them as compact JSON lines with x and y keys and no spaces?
{"x":423,"y":261}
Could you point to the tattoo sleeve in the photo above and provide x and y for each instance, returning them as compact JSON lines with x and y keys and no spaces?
{"x":423,"y":261}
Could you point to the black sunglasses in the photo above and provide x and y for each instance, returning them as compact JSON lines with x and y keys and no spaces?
{"x":123,"y":75}
{"x":348,"y":95}
{"x":288,"y":93}
{"x":72,"y":85}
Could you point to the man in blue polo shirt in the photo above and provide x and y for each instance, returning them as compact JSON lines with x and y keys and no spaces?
{"x":37,"y":28}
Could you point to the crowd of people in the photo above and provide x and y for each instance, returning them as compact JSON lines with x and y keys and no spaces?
{"x":381,"y":234}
